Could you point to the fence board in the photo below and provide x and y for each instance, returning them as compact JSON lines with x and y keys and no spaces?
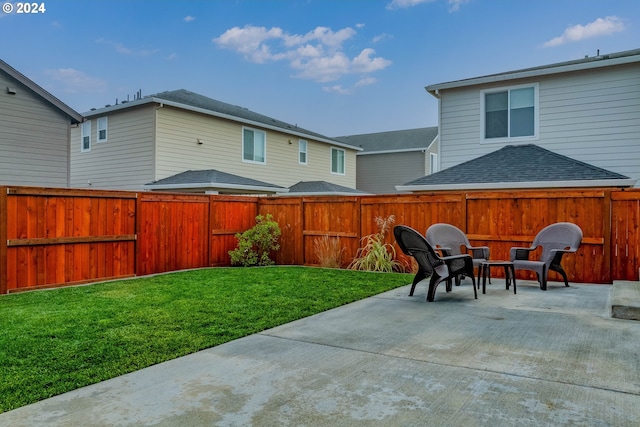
{"x":229,"y":215}
{"x":56,"y":237}
{"x":288,"y":213}
{"x":167,"y":237}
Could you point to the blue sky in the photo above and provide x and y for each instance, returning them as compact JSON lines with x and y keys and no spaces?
{"x":333,"y":67}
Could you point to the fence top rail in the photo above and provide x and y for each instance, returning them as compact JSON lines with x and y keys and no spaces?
{"x":69,"y":192}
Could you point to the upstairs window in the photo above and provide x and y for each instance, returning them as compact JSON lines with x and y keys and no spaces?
{"x":253,"y":146}
{"x":302,"y":152}
{"x":85,"y":136}
{"x":102,"y":129}
{"x":510,"y":113}
{"x":337,"y":161}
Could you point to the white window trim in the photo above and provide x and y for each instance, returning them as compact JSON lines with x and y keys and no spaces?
{"x":82,"y":136}
{"x":106,"y":129}
{"x":536,"y":115}
{"x":265,"y":145}
{"x":433,"y":163}
{"x":344,"y":161}
{"x":305,"y":151}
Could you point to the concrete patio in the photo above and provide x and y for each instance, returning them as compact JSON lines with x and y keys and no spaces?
{"x":536,"y":358}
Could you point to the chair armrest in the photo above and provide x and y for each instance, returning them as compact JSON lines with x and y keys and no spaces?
{"x":466,"y":257}
{"x":479,"y":251}
{"x":444,"y":250}
{"x":517,"y":253}
{"x":452,"y":257}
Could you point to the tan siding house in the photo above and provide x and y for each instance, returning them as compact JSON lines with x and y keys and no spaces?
{"x":154,"y":139}
{"x":394,"y":157}
{"x":125,"y":157}
{"x":588,"y":109}
{"x":34,"y":133}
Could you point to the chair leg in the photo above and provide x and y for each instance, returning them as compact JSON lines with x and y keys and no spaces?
{"x":420,"y":276}
{"x":563,"y":274}
{"x":433,"y":284}
{"x":543,"y":282}
{"x":449,"y":284}
{"x":473,"y":281}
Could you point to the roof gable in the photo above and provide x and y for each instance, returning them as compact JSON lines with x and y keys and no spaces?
{"x":392,"y":141}
{"x":518,"y":166}
{"x":73,"y":115}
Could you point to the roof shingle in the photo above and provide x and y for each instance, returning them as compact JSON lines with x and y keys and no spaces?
{"x":518,"y":164}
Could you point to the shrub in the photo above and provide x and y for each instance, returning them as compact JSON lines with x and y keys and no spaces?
{"x":256,"y":244}
{"x":329,"y":251}
{"x":375,"y":254}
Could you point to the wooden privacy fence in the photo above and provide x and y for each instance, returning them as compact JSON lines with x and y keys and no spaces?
{"x":53,"y":237}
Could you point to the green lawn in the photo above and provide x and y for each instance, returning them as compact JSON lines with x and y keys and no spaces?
{"x":58,"y":340}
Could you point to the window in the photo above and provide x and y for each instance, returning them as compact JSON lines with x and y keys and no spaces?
{"x":253,"y":146}
{"x":433,"y":163}
{"x":302,"y":152}
{"x":102,"y":129}
{"x":337,"y":161}
{"x":86,"y":136}
{"x":510,"y":113}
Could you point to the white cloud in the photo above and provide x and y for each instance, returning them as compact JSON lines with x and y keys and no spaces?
{"x":366,"y":81}
{"x":599,"y":27}
{"x":363,"y":63}
{"x":381,"y":37}
{"x":75,"y":81}
{"x":454,"y":5}
{"x":188,"y":18}
{"x":124,"y":50}
{"x":337,"y":89}
{"x":317,"y":55}
{"x":403,"y":4}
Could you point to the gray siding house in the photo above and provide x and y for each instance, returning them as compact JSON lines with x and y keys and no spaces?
{"x":391,"y":158}
{"x":34,"y":132}
{"x":587,"y":110}
{"x":181,"y":141}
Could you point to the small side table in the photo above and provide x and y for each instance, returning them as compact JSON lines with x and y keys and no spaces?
{"x":509,"y":273}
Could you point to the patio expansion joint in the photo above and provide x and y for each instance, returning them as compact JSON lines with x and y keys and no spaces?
{"x":449,"y":365}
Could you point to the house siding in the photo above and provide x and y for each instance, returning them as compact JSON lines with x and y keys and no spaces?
{"x":380,"y":173}
{"x":34,"y":136}
{"x":592,"y":116}
{"x":178,"y":132}
{"x":125,"y":160}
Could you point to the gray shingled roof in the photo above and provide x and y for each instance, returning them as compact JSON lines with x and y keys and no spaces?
{"x":321,"y":187}
{"x":212,"y":179}
{"x":398,"y":140}
{"x":186,"y":97}
{"x":195,"y":102}
{"x":518,"y":164}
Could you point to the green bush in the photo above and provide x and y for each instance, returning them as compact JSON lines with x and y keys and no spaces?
{"x":256,"y":244}
{"x":375,"y":254}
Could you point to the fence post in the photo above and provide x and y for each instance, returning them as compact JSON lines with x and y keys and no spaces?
{"x":3,"y":240}
{"x":607,"y":218}
{"x":463,"y":210}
